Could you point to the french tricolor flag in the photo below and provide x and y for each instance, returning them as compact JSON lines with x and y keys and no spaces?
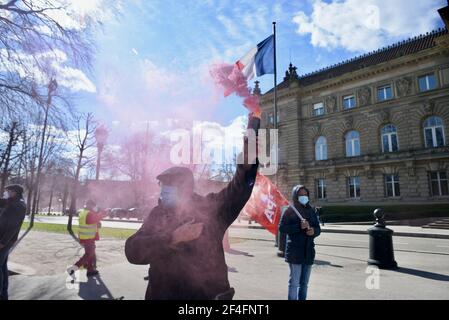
{"x":259,"y":60}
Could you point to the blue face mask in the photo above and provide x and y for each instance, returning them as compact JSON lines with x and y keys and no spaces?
{"x":169,"y":196}
{"x":303,"y":200}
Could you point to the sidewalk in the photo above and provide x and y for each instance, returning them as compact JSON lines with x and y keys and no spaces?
{"x":254,"y":271}
{"x":404,"y":231}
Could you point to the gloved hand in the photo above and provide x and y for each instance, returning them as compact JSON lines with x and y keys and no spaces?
{"x":253,"y":123}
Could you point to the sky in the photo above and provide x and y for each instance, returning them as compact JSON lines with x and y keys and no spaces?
{"x":153,"y":58}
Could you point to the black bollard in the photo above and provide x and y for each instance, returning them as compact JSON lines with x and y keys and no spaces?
{"x":381,"y":251}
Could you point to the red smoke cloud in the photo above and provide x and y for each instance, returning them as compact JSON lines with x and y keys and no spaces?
{"x":232,"y":80}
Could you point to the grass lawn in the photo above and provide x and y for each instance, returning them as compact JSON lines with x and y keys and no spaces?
{"x":393,"y":212}
{"x":62,"y":228}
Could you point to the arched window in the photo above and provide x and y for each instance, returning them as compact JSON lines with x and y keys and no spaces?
{"x":352,"y":144}
{"x":321,"y":149}
{"x":389,"y":139}
{"x":434,"y":132}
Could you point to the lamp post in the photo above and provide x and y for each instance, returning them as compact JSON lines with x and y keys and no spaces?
{"x":101,"y":135}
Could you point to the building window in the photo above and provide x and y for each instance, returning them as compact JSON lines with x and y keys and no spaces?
{"x":434,"y":132}
{"x":389,"y":139}
{"x":270,"y":118}
{"x":321,"y":189}
{"x":384,"y":93}
{"x":318,"y":109}
{"x":352,"y":144}
{"x":427,"y":82}
{"x":321,"y":149}
{"x":392,"y":186}
{"x":438,"y":183}
{"x":354,"y":187}
{"x":349,"y":102}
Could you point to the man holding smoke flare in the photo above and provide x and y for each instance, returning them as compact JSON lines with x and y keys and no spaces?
{"x":181,"y":239}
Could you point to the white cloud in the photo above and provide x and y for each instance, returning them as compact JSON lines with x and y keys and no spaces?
{"x":360,"y":28}
{"x":54,"y":62}
{"x":78,"y":13}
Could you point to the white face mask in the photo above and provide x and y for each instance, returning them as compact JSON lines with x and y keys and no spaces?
{"x":303,"y":200}
{"x":6,"y":195}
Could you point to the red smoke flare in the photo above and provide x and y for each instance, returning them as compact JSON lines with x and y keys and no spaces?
{"x":232,"y":80}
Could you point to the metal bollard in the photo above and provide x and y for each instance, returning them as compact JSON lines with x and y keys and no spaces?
{"x":381,"y":251}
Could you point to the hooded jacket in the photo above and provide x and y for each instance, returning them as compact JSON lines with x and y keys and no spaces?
{"x":300,"y":248}
{"x":196,"y":269}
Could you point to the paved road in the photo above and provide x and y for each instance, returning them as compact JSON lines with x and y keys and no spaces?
{"x":326,"y":239}
{"x":255,"y":271}
{"x":341,"y":240}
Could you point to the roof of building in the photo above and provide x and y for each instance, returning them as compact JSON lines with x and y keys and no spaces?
{"x":397,"y":50}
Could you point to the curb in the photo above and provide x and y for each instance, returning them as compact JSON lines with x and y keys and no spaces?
{"x":123,"y":220}
{"x":395,"y":233}
{"x":247,"y":227}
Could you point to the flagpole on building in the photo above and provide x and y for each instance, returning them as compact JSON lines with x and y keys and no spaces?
{"x":275,"y":116}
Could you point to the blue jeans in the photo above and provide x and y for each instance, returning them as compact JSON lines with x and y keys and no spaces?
{"x":4,"y":252}
{"x":298,"y":281}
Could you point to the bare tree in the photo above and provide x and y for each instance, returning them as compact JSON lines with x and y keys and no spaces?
{"x":6,"y":154}
{"x":83,"y":141}
{"x":31,"y":37}
{"x":139,"y":158}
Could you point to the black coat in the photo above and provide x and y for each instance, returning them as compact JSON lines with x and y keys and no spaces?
{"x":300,"y":248}
{"x":197,"y":269}
{"x":12,"y":214}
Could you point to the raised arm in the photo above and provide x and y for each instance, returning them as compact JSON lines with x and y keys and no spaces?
{"x":233,"y":198}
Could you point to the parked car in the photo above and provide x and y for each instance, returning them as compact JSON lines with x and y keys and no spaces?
{"x":139,"y":213}
{"x":118,"y":213}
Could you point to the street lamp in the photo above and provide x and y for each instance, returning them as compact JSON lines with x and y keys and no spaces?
{"x":101,"y":135}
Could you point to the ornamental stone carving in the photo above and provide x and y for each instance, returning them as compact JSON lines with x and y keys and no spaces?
{"x":364,"y":96}
{"x":349,"y":122}
{"x":331,"y":104}
{"x":404,"y":86}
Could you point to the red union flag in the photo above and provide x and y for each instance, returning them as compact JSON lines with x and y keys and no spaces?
{"x":265,"y":204}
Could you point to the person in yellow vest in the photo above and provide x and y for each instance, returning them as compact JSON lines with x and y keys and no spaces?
{"x":89,"y":224}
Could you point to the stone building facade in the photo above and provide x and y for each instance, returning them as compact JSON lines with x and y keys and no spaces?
{"x":369,"y":130}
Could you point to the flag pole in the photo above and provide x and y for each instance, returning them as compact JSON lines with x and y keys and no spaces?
{"x":275,"y":117}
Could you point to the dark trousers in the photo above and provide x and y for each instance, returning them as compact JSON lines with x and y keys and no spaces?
{"x":88,"y":260}
{"x":4,"y":252}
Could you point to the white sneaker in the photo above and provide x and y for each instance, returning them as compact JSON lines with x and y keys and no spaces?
{"x":71,"y":270}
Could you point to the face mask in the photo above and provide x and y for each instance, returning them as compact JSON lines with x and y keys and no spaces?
{"x":169,"y":196}
{"x":303,"y":200}
{"x":6,"y":195}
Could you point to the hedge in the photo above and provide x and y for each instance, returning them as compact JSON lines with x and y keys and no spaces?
{"x":393,"y":212}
